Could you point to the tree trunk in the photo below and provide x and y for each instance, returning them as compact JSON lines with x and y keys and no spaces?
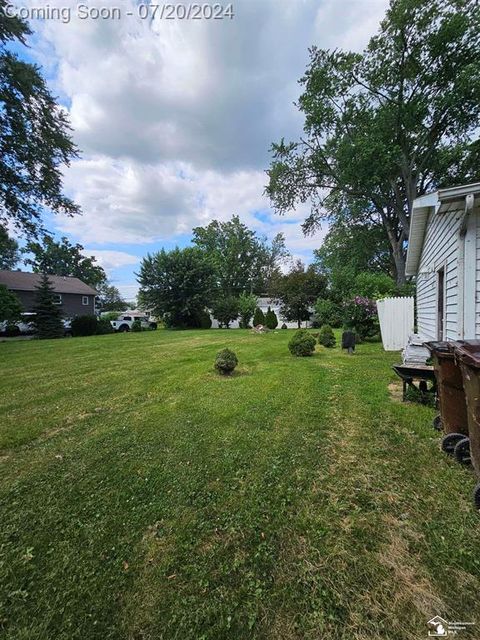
{"x":299,"y":323}
{"x":399,"y":258}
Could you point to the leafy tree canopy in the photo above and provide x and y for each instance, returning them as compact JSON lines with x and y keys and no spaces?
{"x":247,"y":304}
{"x":111,"y":298}
{"x":177,"y":285}
{"x":35,"y":137}
{"x":64,"y":259}
{"x":10,"y":306}
{"x":9,"y":252}
{"x":388,"y":125}
{"x":349,"y":250}
{"x":243,"y":261}
{"x":225,"y":309}
{"x":298,"y":290}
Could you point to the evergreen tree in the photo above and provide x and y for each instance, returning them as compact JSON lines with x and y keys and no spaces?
{"x":271,"y":319}
{"x":48,"y":318}
{"x":258,"y":317}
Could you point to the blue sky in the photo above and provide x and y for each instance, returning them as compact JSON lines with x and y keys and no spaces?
{"x":175,"y":118}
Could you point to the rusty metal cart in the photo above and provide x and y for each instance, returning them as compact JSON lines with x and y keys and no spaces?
{"x":467,"y":355}
{"x":453,"y":420}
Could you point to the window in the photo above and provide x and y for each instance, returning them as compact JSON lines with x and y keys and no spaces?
{"x":84,"y":300}
{"x":57,"y":298}
{"x":127,"y":318}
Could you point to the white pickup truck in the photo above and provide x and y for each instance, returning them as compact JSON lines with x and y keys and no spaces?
{"x":124,"y":323}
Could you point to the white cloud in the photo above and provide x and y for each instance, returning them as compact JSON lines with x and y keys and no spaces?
{"x":111,"y":259}
{"x":175,"y":118}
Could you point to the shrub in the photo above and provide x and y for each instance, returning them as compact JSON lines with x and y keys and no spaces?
{"x":327,"y":312}
{"x":284,"y":326}
{"x":258,"y":317}
{"x":104,"y":326}
{"x":247,"y":303}
{"x":225,"y":361}
{"x":326,"y":336}
{"x":12,"y":331}
{"x":360,"y":315}
{"x":204,"y":320}
{"x":226,"y":311}
{"x":271,"y":320}
{"x":84,"y":326}
{"x":136,"y":325}
{"x":302,"y":343}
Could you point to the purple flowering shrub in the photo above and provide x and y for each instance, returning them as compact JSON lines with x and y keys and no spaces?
{"x":360,"y":314}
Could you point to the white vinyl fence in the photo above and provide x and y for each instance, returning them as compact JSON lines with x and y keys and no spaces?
{"x":396,"y":316}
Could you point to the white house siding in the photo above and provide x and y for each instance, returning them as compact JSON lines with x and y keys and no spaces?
{"x":441,"y":249}
{"x":477,"y":277}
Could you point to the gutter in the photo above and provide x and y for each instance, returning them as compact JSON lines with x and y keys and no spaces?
{"x":469,"y":202}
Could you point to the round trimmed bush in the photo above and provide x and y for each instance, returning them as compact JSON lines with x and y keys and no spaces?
{"x":302,"y":343}
{"x":326,"y":336}
{"x":225,"y":361}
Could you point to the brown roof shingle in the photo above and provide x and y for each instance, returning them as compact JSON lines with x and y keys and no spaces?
{"x":22,"y":281}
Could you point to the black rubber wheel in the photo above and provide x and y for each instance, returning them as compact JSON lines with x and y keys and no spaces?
{"x":476,"y":496}
{"x":462,"y":451}
{"x":449,"y":442}
{"x":124,"y":328}
{"x":437,"y":423}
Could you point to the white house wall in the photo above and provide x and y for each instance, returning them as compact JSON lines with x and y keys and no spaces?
{"x":441,"y":249}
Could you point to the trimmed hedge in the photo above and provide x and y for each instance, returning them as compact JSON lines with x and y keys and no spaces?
{"x":84,"y":326}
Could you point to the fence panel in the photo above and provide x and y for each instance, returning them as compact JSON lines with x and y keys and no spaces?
{"x":396,"y":316}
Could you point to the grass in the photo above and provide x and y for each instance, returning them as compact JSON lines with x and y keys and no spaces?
{"x":145,"y":497}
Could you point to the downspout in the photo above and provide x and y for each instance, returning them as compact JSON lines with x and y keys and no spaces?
{"x":469,"y":200}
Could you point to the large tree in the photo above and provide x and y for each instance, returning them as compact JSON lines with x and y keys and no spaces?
{"x":35,"y":140}
{"x":9,"y":252}
{"x":243,"y":261}
{"x":64,"y":259}
{"x":297,"y":291}
{"x":10,"y":305}
{"x":350,"y":249}
{"x":177,"y":285}
{"x":111,"y":298}
{"x":386,"y":126}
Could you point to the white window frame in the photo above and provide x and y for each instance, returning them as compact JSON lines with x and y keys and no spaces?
{"x":58,"y":298}
{"x":85,"y":304}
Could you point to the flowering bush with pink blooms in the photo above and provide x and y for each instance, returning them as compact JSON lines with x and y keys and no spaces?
{"x":360,"y":314}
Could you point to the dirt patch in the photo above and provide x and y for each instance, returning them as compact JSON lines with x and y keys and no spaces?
{"x":396,"y":391}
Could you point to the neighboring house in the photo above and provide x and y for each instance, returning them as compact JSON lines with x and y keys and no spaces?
{"x":264,"y":302}
{"x":444,"y":256}
{"x":73,"y":296}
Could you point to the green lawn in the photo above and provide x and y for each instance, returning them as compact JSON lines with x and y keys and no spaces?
{"x":142,"y":496}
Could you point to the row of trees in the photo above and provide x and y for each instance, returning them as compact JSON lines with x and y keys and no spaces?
{"x":225,"y":271}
